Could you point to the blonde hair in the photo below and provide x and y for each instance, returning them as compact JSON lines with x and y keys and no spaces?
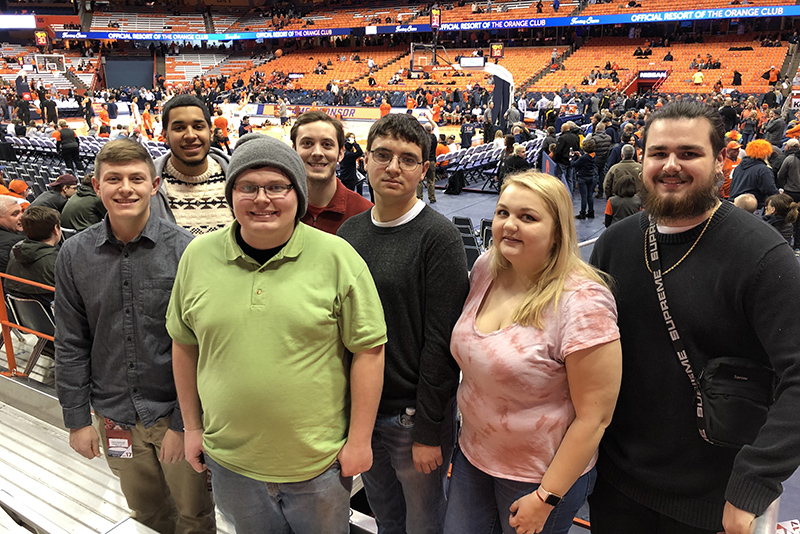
{"x":565,"y":258}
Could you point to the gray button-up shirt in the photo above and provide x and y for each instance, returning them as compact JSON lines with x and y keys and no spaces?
{"x":112,"y":347}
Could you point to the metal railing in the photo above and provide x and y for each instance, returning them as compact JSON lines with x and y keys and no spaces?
{"x":7,"y":325}
{"x":767,"y":523}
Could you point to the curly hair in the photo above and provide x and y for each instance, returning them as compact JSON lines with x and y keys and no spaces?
{"x":759,"y":149}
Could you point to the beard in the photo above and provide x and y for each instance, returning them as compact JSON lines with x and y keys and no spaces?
{"x":694,"y":203}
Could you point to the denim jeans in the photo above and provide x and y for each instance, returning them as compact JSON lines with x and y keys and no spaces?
{"x":587,"y":199}
{"x":479,"y":503}
{"x":321,"y":504}
{"x":403,"y":499}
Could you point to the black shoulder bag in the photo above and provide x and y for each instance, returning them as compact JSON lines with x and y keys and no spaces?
{"x":733,"y":395}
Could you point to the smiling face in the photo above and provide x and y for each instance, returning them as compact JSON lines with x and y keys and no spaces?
{"x":679,"y":171}
{"x":266,"y":223}
{"x":125,"y":189}
{"x":316,"y":143}
{"x":189,"y":139}
{"x":523,"y":229}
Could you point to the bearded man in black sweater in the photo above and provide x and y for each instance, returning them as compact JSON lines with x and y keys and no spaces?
{"x":728,"y":281}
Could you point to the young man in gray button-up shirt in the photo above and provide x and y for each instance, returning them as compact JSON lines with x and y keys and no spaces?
{"x":113,"y":353}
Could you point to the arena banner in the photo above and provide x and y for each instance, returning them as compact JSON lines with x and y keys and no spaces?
{"x":404,"y":28}
{"x":633,"y":17}
{"x":344,"y":112}
{"x":237,"y":36}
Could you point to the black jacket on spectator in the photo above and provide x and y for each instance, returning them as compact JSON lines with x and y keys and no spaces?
{"x":347,"y":167}
{"x":565,"y":141}
{"x":513,"y":164}
{"x":603,"y":142}
{"x":7,"y":240}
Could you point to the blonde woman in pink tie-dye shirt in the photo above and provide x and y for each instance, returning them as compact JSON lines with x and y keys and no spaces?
{"x":539,"y":349}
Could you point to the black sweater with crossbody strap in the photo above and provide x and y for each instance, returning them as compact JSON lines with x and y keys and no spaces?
{"x":735,"y":294}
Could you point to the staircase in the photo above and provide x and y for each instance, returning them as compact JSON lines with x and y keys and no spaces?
{"x":382,"y":66}
{"x":544,"y":72}
{"x":77,"y":82}
{"x":208,"y":22}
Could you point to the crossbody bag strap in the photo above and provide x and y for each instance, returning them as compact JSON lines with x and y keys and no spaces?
{"x":674,"y":336}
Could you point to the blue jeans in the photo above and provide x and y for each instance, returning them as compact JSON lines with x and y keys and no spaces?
{"x":321,"y":504}
{"x":587,"y":201}
{"x":479,"y":503}
{"x":403,"y":499}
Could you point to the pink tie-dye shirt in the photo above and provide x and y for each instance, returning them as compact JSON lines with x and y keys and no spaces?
{"x":514,"y":395}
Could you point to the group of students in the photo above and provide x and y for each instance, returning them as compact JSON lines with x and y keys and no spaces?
{"x":211,"y":320}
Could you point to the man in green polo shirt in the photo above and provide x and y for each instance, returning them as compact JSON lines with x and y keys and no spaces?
{"x":264,"y":316}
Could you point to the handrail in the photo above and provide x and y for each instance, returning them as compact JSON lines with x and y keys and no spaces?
{"x":7,"y":325}
{"x":588,"y":242}
{"x":767,"y":523}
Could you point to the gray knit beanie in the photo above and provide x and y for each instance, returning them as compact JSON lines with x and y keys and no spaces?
{"x":256,"y":150}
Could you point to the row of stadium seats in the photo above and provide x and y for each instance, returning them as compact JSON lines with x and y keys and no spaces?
{"x":619,"y":50}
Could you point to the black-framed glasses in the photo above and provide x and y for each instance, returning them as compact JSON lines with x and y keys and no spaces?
{"x":384,"y":157}
{"x":273,"y":191}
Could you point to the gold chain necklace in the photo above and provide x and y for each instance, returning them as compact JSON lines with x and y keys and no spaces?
{"x":647,"y":259}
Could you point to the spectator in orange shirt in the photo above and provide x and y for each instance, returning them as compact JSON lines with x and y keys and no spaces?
{"x":732,"y":160}
{"x":773,"y":75}
{"x":411,"y":103}
{"x":19,"y":190}
{"x":437,"y":112}
{"x":103,"y":115}
{"x":221,"y":122}
{"x":147,"y":121}
{"x":385,"y":108}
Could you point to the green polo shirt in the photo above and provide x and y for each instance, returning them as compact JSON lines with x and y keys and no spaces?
{"x":273,"y":371}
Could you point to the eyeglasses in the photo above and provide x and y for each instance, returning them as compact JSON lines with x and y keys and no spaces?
{"x":384,"y":157}
{"x":272,"y":191}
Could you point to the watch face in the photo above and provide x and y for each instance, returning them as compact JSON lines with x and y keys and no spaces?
{"x":552,"y":500}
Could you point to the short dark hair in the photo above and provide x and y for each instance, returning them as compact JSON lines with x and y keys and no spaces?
{"x":39,"y":222}
{"x":589,"y":145}
{"x":404,"y":127}
{"x":317,"y":116}
{"x":691,"y":110}
{"x":123,"y":150}
{"x":182,"y":101}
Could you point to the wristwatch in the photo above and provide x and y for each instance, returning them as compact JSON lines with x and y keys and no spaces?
{"x":551,"y":498}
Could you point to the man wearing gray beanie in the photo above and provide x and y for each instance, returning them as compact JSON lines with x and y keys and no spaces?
{"x":262,"y":316}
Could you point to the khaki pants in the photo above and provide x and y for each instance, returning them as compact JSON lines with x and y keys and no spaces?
{"x":430,"y":181}
{"x":169,"y":498}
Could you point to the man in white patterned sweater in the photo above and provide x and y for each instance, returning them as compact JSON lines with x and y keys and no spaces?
{"x":192,"y":192}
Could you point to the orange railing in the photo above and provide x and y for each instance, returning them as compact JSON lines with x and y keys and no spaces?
{"x":7,"y":325}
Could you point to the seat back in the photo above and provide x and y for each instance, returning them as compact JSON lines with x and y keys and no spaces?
{"x":30,"y":313}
